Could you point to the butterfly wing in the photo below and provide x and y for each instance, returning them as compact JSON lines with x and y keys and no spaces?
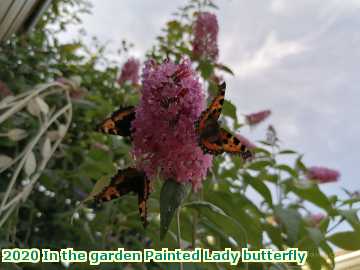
{"x":232,"y":145}
{"x":124,"y":182}
{"x":213,"y":111}
{"x":207,"y":126}
{"x":141,"y":186}
{"x":209,"y":138}
{"x":213,"y":148}
{"x":120,"y":185}
{"x":119,"y":123}
{"x":216,"y":104}
{"x":143,"y":196}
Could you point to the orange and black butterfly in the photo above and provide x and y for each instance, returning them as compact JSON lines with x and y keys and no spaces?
{"x":119,"y":123}
{"x":167,"y":101}
{"x":124,"y":182}
{"x":212,"y":138}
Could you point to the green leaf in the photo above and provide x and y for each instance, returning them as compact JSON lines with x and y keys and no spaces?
{"x":184,"y":50}
{"x":70,"y":48}
{"x":352,"y":218}
{"x":288,"y":169}
{"x":213,"y":5}
{"x":172,"y":195}
{"x":315,"y":235}
{"x":312,"y":194}
{"x":299,"y":164}
{"x":222,"y":220}
{"x":259,"y":186}
{"x":199,"y":205}
{"x":206,"y":69}
{"x":329,"y":252}
{"x":275,"y":234}
{"x":291,"y":220}
{"x":261,"y":152}
{"x":219,"y":232}
{"x":287,"y":152}
{"x":324,"y":225}
{"x":269,"y":177}
{"x":229,"y":109}
{"x":174,"y":25}
{"x":224,"y":68}
{"x":231,"y":173}
{"x":349,"y":240}
{"x":99,"y":186}
{"x":315,"y":262}
{"x":259,"y":165}
{"x":265,"y":143}
{"x":351,"y":201}
{"x":247,"y":213}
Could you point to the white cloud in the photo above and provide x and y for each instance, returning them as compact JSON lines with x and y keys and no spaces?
{"x":277,"y":6}
{"x":268,"y":55}
{"x":348,"y":3}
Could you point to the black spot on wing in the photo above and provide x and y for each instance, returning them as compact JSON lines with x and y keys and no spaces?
{"x":236,"y":141}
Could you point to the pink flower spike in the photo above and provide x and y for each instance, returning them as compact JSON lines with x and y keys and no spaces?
{"x":323,"y":174}
{"x":315,"y":219}
{"x":245,"y":141}
{"x":206,"y":30}
{"x":130,"y":72}
{"x":255,"y":118}
{"x":164,"y":137}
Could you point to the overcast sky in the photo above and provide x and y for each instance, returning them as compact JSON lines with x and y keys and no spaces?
{"x":299,"y":58}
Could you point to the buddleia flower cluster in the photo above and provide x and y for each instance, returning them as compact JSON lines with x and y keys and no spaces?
{"x":323,"y":174}
{"x":163,"y":134}
{"x":205,"y":43}
{"x":130,"y":72}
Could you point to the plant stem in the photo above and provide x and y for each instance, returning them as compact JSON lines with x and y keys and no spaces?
{"x":179,"y":233}
{"x":335,"y":225}
{"x":195,"y":221}
{"x":194,"y":233}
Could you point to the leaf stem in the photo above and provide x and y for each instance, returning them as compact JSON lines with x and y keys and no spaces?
{"x":179,"y":233}
{"x":335,"y":225}
{"x":194,"y":232}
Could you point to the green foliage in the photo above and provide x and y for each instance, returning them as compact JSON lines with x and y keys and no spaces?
{"x":171,"y":197}
{"x":225,"y":213}
{"x":349,"y":240}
